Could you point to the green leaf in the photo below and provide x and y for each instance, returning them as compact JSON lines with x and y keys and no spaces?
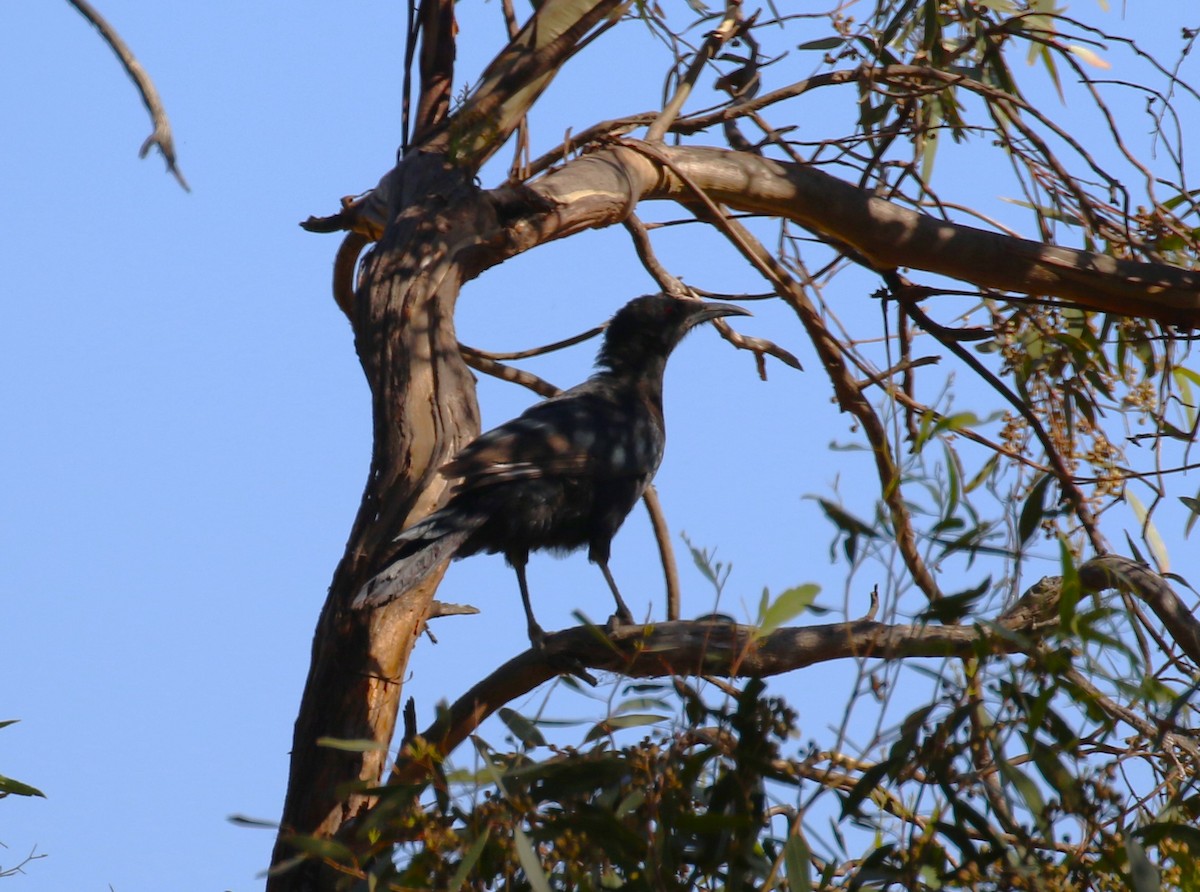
{"x":1193,"y":505}
{"x":464,"y":868}
{"x":351,"y":746}
{"x":787,"y":606}
{"x":244,"y":821}
{"x":1150,"y":534}
{"x":529,"y":862}
{"x":797,"y":860}
{"x":1143,"y":874}
{"x":630,"y":803}
{"x":825,"y":43}
{"x":1185,"y":836}
{"x":953,"y":608}
{"x":981,"y":477}
{"x":1028,"y":790}
{"x":1034,"y":509}
{"x":321,"y":848}
{"x":523,"y":729}
{"x":8,"y":786}
{"x":616,"y":722}
{"x":1071,"y":587}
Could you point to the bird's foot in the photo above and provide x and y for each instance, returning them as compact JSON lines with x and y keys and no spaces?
{"x":621,"y":618}
{"x":537,"y":637}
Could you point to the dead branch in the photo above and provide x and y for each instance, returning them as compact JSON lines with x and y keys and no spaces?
{"x":161,"y":135}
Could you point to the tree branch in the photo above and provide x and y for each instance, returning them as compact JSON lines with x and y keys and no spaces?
{"x":161,"y":135}
{"x":708,"y":648}
{"x":602,"y":188}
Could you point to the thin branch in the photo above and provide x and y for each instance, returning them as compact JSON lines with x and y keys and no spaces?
{"x":662,"y":535}
{"x":708,"y":51}
{"x":667,"y":281}
{"x":1114,"y":571}
{"x":671,"y":284}
{"x":436,"y":21}
{"x":904,"y":292}
{"x":411,"y":33}
{"x":481,"y":362}
{"x":547,"y":348}
{"x":519,"y":169}
{"x":161,"y":135}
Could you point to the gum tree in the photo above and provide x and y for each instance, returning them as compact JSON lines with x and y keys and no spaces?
{"x":1056,"y":744}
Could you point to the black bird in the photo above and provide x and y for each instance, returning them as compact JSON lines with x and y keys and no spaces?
{"x":567,"y":471}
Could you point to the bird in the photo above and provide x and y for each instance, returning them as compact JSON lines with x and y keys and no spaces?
{"x":563,"y":474}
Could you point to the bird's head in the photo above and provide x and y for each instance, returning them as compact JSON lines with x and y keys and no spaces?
{"x":648,"y":328}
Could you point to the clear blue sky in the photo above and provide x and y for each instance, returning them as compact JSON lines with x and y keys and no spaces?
{"x":187,"y":428}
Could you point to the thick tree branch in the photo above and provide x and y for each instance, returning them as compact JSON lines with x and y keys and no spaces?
{"x":423,"y":410}
{"x":436,"y":22}
{"x":601,"y":188}
{"x":732,"y":650}
{"x":725,"y":649}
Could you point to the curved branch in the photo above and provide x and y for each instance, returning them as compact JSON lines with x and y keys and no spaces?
{"x":1114,"y":571}
{"x":602,"y":188}
{"x":732,"y":650}
{"x":161,"y":135}
{"x":705,"y":648}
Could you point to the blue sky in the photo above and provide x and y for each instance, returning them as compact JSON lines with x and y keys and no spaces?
{"x":188,"y":428}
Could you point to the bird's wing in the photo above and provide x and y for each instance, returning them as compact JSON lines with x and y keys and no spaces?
{"x":568,"y":436}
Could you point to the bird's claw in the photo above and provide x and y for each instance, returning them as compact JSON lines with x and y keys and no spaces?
{"x":620,"y":618}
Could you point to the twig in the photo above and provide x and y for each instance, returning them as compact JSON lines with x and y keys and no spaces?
{"x":1114,"y":571}
{"x":482,"y":363}
{"x":671,"y":284}
{"x":539,"y":351}
{"x":712,"y":43}
{"x":161,"y":135}
{"x":662,"y":535}
{"x":905,"y":293}
{"x":667,"y":281}
{"x":517,"y":172}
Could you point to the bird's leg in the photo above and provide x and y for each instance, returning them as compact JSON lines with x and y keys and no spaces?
{"x":537,"y":637}
{"x":623,"y":613}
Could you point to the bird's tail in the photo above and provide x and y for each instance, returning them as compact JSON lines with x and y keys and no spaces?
{"x":418,"y":550}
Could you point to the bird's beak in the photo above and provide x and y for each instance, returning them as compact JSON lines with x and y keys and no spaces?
{"x":714,"y":310}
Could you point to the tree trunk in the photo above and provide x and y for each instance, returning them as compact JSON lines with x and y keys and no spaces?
{"x":424,"y":410}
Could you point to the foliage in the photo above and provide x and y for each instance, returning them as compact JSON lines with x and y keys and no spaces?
{"x":723,"y":799}
{"x":10,"y":787}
